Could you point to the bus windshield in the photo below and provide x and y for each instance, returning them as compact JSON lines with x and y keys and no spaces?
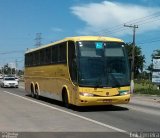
{"x":102,"y":64}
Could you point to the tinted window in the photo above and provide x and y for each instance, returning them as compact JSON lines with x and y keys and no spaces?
{"x":102,"y":64}
{"x":48,"y":55}
{"x":100,"y":49}
{"x":37,"y":58}
{"x":26,"y":59}
{"x":31,"y":59}
{"x":34,"y":58}
{"x":62,"y":52}
{"x":9,"y":78}
{"x":42,"y":56}
{"x":54,"y":54}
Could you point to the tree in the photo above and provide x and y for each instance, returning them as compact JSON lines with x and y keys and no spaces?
{"x":156,"y":53}
{"x":150,"y":67}
{"x":20,"y":72}
{"x":8,"y":70}
{"x":139,"y":58}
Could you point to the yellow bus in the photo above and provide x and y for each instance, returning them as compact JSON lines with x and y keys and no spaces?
{"x":81,"y":71}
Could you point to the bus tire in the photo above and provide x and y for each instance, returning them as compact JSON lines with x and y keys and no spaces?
{"x":32,"y":91}
{"x":65,"y":99}
{"x":36,"y":92}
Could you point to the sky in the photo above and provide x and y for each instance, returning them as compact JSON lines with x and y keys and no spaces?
{"x":20,"y":20}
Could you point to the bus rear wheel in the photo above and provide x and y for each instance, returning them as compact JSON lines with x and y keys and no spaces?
{"x":36,"y":93}
{"x":32,"y":91}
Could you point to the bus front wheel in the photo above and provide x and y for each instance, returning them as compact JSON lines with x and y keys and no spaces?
{"x":65,"y":99}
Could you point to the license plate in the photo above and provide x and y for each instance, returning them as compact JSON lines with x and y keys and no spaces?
{"x":107,"y":100}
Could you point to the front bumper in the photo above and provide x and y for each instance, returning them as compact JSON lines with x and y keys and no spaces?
{"x":10,"y":85}
{"x":91,"y":101}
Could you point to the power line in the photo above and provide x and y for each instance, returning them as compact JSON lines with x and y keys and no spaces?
{"x":142,"y":23}
{"x":142,"y":20}
{"x":38,"y":39}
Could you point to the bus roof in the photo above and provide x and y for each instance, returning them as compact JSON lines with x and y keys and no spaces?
{"x":78,"y":38}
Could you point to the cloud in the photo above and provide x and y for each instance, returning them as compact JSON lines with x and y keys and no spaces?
{"x":56,"y":29}
{"x":108,"y":17}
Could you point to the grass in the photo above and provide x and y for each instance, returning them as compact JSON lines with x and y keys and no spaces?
{"x":146,"y":87}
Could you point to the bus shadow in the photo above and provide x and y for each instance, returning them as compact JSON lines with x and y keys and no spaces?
{"x":47,"y":100}
{"x":85,"y":108}
{"x":101,"y":108}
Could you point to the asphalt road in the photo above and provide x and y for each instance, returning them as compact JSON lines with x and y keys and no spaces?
{"x":22,"y":114}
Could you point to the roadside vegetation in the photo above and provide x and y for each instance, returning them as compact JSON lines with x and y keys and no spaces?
{"x":146,"y":87}
{"x":143,"y":84}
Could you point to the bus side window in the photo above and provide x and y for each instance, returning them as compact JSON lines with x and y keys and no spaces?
{"x":62,"y":52}
{"x":42,"y":56}
{"x":36,"y":59}
{"x":26,"y":60}
{"x":55,"y":54}
{"x":48,"y":55}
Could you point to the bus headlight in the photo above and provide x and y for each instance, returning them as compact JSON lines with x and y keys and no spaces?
{"x":86,"y":94}
{"x":124,"y":92}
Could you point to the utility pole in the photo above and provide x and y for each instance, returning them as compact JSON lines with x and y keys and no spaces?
{"x":16,"y":64}
{"x":133,"y":54}
{"x":38,"y":40}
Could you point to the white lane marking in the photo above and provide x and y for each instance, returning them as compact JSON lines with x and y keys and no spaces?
{"x":79,"y":116}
